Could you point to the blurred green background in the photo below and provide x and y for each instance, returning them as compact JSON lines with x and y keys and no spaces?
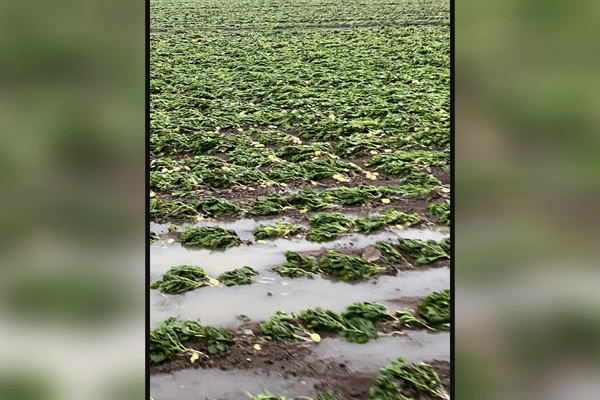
{"x":72,"y":158}
{"x":527,"y":196}
{"x":527,"y":199}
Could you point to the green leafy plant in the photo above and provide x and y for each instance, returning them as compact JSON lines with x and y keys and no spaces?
{"x":215,"y":206}
{"x":348,"y":268}
{"x":181,"y":278}
{"x":408,"y":318}
{"x":172,"y":209}
{"x":281,"y":229}
{"x":321,"y":169}
{"x":296,"y":265}
{"x":391,"y":216}
{"x":308,"y":200}
{"x":240,"y":276}
{"x":323,"y":320}
{"x":436,"y":310}
{"x":304,"y":152}
{"x":279,"y":328}
{"x":359,"y":330}
{"x":269,"y":205}
{"x":424,"y":252}
{"x":441,"y":210}
{"x":154,"y":237}
{"x":327,"y":226}
{"x":400,"y":374}
{"x":212,"y":237}
{"x":418,"y":184}
{"x":166,"y":340}
{"x":390,"y":255}
{"x":373,"y":312}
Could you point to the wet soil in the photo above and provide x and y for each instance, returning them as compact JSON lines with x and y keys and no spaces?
{"x":287,"y":360}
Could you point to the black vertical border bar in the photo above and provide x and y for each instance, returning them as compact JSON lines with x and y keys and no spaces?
{"x":147,"y":204}
{"x":452,"y":203}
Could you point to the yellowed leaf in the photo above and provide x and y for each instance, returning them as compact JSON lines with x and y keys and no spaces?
{"x":315,"y":337}
{"x":194,"y":357}
{"x":171,"y":240}
{"x":257,"y":347}
{"x":385,"y":201}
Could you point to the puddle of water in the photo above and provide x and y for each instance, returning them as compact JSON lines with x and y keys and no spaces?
{"x":375,"y":354}
{"x":216,"y":384}
{"x":219,"y":306}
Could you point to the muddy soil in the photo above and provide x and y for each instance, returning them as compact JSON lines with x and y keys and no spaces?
{"x":287,"y":360}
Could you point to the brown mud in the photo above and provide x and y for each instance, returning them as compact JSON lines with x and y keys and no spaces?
{"x":290,"y":359}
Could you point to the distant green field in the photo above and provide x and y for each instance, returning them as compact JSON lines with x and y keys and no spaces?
{"x":231,"y":14}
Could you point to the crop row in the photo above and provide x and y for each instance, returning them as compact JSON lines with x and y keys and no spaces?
{"x":227,"y":14}
{"x":305,"y":200}
{"x":179,"y":279}
{"x":357,"y":324}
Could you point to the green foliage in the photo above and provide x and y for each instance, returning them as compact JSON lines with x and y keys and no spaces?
{"x":321,"y":169}
{"x":269,"y":205}
{"x":419,"y":376}
{"x":348,"y":268}
{"x":326,"y":395}
{"x":296,"y":265}
{"x":212,"y":237}
{"x":280,"y":229}
{"x":166,"y":340}
{"x":441,"y":210}
{"x":154,"y":237}
{"x":250,"y":157}
{"x":239,"y":276}
{"x":327,"y":226}
{"x":418,"y":184}
{"x":404,"y":162}
{"x":181,"y":279}
{"x":350,"y":196}
{"x":275,"y":137}
{"x":279,"y":327}
{"x":309,"y":200}
{"x":390,"y":255}
{"x":171,"y":209}
{"x":304,"y":152}
{"x":373,"y":312}
{"x":350,"y":147}
{"x":215,"y":206}
{"x":391,"y":216}
{"x":424,"y":252}
{"x":445,"y":244}
{"x":323,"y":320}
{"x":408,"y":318}
{"x":285,"y":172}
{"x":436,"y":310}
{"x":359,"y":330}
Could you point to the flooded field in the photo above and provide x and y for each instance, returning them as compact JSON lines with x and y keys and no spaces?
{"x":300,"y":198}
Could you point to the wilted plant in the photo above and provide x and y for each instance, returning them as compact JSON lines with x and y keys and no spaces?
{"x":212,"y":237}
